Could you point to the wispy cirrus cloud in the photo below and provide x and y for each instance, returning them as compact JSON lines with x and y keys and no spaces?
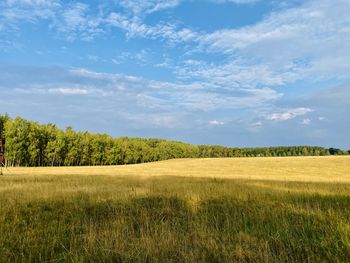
{"x":192,"y":96}
{"x":68,"y":91}
{"x":134,"y":27}
{"x":251,"y":66}
{"x":144,"y":94}
{"x":304,"y":42}
{"x":14,"y":12}
{"x":76,"y":22}
{"x":240,"y":73}
{"x":145,"y":7}
{"x":239,"y":2}
{"x":73,"y":21}
{"x":228,"y":75}
{"x":141,"y":7}
{"x":289,"y":114}
{"x":310,"y":39}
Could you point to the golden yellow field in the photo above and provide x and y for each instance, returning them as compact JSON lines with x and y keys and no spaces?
{"x":305,"y":169}
{"x":285,"y":209}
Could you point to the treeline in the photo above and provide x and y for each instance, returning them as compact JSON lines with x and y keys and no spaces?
{"x":33,"y":144}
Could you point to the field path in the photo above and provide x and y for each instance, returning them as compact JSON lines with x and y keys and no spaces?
{"x":313,"y":169}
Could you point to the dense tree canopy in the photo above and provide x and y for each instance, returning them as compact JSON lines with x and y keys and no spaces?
{"x":32,"y":144}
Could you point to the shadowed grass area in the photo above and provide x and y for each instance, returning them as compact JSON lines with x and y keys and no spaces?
{"x":171,"y":219}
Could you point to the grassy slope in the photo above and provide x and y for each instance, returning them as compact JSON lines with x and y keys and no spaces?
{"x":166,"y":218}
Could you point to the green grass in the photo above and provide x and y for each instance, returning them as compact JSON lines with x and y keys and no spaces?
{"x":88,"y":218}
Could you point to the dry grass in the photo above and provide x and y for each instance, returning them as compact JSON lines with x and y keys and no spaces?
{"x":273,"y":210}
{"x":305,"y":169}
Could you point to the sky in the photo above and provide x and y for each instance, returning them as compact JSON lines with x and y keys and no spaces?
{"x":241,"y":73}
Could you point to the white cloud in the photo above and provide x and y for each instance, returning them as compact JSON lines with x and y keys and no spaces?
{"x":139,"y":93}
{"x":69,"y":91}
{"x":134,"y":27}
{"x":238,"y":2}
{"x":116,"y":61}
{"x":13,"y":12}
{"x":257,"y":124}
{"x":144,"y":7}
{"x":166,"y":63}
{"x":75,"y":22}
{"x":195,"y":96}
{"x":140,"y":7}
{"x":238,"y":73}
{"x":216,"y":123}
{"x":164,"y":119}
{"x":72,"y":20}
{"x":306,"y":121}
{"x":309,"y":41}
{"x":243,"y":1}
{"x":140,"y":57}
{"x":289,"y":114}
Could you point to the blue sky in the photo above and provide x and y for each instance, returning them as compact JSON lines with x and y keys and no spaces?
{"x":229,"y":72}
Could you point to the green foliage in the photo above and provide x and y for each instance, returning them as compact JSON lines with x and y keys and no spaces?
{"x":33,"y":144}
{"x":336,"y":151}
{"x":3,"y":120}
{"x":220,"y":151}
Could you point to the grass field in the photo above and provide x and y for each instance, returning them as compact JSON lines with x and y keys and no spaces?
{"x":193,"y":210}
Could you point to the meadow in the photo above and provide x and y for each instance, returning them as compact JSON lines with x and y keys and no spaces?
{"x":290,"y":209}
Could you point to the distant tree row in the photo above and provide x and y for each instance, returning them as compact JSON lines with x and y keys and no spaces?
{"x":220,"y":151}
{"x":32,"y":144}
